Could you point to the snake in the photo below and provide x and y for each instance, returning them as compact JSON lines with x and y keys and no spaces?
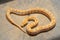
{"x":30,"y":28}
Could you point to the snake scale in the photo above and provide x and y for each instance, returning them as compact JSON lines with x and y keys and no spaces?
{"x":29,"y":28}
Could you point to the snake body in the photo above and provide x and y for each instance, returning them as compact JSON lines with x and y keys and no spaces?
{"x":29,"y":29}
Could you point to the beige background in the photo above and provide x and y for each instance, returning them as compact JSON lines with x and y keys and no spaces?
{"x":11,"y":32}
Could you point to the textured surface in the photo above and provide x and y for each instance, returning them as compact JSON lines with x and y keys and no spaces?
{"x":10,"y":32}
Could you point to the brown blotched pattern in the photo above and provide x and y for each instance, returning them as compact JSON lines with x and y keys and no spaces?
{"x":30,"y":30}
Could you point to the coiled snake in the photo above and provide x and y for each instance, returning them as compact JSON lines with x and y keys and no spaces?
{"x":29,"y":28}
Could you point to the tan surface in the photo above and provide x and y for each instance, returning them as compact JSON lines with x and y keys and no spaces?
{"x":10,"y":32}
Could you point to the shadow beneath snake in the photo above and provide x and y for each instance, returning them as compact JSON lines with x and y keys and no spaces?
{"x":42,"y":31}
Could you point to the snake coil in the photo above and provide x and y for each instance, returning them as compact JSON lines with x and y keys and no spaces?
{"x":29,"y":29}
